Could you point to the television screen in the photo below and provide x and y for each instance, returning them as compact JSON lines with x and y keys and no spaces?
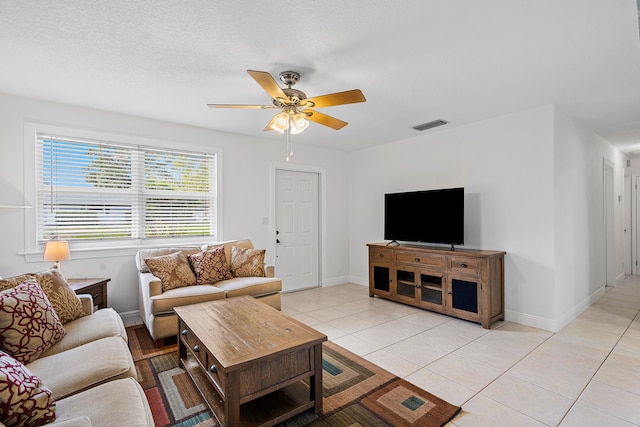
{"x":434,"y":216}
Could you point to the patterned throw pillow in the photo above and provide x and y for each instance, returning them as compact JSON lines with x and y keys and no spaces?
{"x":24,"y":400}
{"x":28,"y":323}
{"x":247,"y":262}
{"x":210,"y":266}
{"x":64,"y":300}
{"x":12,"y":282}
{"x":173,"y":270}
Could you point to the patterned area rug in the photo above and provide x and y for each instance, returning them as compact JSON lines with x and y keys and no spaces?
{"x":355,"y":391}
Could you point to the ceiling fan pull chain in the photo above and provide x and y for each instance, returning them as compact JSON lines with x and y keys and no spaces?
{"x":289,"y":146}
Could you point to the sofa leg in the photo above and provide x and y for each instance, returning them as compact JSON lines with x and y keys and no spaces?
{"x":160,"y":343}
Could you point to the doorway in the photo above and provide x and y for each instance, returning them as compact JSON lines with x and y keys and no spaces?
{"x":297,"y":228}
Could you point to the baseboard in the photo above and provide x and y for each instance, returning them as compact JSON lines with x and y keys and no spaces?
{"x":340,"y":280}
{"x":554,"y":325}
{"x":130,"y":318}
{"x":576,"y":310}
{"x":529,"y":320}
{"x":364,"y":281}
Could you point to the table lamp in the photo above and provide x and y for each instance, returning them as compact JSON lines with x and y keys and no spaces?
{"x":56,"y":250}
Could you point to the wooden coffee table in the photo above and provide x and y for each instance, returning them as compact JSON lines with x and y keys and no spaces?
{"x":249,"y":361}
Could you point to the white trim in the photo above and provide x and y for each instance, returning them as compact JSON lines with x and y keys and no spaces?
{"x":607,"y":165}
{"x":634,"y":222}
{"x":322,"y":210}
{"x":130,"y":318}
{"x":97,"y":248}
{"x":363,"y":281}
{"x":554,"y":325}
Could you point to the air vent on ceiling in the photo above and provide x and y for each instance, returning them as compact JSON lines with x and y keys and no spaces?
{"x":430,"y":125}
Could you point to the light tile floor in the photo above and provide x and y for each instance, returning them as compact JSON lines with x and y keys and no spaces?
{"x":588,"y":374}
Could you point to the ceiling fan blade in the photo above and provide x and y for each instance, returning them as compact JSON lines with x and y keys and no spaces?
{"x":268,"y":126}
{"x":262,"y":107}
{"x":324,"y":119}
{"x":268,"y":83}
{"x":340,"y":98}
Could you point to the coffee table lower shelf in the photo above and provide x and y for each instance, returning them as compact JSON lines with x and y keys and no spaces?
{"x":265,"y":411}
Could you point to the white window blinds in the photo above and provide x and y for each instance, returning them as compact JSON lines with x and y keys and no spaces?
{"x":96,"y":190}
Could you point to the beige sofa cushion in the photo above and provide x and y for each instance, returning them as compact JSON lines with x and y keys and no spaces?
{"x":101,"y":324}
{"x":173,"y":270}
{"x":166,"y":301}
{"x":254,"y":286}
{"x":152,"y":253}
{"x":119,"y":403}
{"x":86,"y":366}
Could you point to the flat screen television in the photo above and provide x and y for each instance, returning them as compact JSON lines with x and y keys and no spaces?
{"x":433,"y":216}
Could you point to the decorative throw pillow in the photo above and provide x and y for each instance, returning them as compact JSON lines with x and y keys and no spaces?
{"x":24,"y":400}
{"x":28,"y":323}
{"x":173,"y":270}
{"x":64,"y":300}
{"x":210,"y":266}
{"x":12,"y":282}
{"x":247,"y":262}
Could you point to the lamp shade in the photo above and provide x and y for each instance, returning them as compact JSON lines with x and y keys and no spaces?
{"x":298,"y":123}
{"x":281,"y":122}
{"x":56,"y":250}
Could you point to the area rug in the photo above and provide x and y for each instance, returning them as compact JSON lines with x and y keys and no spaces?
{"x":355,"y":391}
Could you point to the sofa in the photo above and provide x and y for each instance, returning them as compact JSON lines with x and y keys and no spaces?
{"x":70,"y":366}
{"x":172,"y":277}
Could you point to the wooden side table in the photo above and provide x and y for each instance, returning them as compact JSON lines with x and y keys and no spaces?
{"x":97,"y":288}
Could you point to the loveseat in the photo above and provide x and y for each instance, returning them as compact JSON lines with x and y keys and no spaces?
{"x":172,"y":277}
{"x":61,"y":362}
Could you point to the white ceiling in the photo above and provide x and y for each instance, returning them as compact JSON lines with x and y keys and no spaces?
{"x":415,"y":60}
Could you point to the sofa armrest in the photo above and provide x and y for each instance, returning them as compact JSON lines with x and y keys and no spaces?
{"x":150,"y":284}
{"x":87,"y":303}
{"x":269,"y":270}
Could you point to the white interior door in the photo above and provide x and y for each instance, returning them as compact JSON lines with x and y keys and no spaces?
{"x":297,"y":229}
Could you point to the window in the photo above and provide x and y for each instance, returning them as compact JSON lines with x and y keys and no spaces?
{"x":92,"y":190}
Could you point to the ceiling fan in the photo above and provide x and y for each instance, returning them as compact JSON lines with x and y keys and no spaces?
{"x":296,"y":107}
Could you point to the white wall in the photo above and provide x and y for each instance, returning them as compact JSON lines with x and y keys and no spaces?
{"x":506,"y":167}
{"x":245,"y":182}
{"x":510,"y":167}
{"x":579,"y":218}
{"x":533,"y":183}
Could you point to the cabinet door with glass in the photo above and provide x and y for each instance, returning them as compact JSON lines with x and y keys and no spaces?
{"x":380,"y":272}
{"x":421,"y":287}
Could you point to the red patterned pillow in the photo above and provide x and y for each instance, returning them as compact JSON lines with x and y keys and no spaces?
{"x":210,"y":266}
{"x":28,"y":324}
{"x":24,"y":400}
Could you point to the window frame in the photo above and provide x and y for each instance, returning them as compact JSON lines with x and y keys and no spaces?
{"x":100,"y":248}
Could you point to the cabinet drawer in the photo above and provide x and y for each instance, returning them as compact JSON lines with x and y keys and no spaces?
{"x":215,"y":372}
{"x":424,"y":260}
{"x":385,"y":255}
{"x":469,"y":266}
{"x":193,"y":344}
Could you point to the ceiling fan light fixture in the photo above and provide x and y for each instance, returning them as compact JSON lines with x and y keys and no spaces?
{"x":281,"y":122}
{"x":298,"y":123}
